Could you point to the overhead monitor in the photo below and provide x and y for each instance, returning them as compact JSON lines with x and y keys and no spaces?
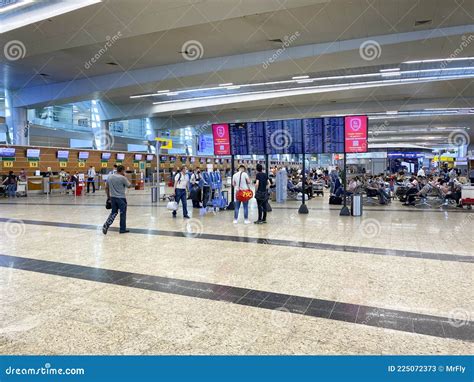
{"x":106,"y":156}
{"x":63,"y":154}
{"x":83,"y":155}
{"x":32,"y":153}
{"x":120,"y":156}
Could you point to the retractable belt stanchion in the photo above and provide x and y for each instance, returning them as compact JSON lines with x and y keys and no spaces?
{"x":269,"y":207}
{"x":232,"y":170}
{"x":303,"y":208}
{"x":345,"y":210}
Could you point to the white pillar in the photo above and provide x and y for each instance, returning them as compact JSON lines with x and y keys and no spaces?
{"x":16,"y":121}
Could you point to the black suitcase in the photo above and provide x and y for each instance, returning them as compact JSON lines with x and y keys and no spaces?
{"x":335,"y":200}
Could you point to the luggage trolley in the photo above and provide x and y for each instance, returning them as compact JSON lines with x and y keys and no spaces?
{"x":467,"y":196}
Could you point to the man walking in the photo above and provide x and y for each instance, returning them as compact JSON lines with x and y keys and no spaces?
{"x":180,"y":187}
{"x":115,"y":189}
{"x":91,"y":179}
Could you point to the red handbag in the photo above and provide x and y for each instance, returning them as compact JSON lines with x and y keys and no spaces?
{"x":243,"y":195}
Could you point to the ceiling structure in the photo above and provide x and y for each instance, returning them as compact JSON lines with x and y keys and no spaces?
{"x":407,"y":63}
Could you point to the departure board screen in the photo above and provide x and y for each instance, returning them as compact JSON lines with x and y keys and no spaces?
{"x":313,"y":135}
{"x":333,"y":135}
{"x":239,"y":139}
{"x":256,"y":138}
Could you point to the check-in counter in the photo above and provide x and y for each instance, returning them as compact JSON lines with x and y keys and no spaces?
{"x":54,"y":184}
{"x":35,"y":184}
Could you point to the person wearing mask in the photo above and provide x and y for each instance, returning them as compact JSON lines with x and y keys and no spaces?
{"x":241,"y":181}
{"x":91,"y":179}
{"x":180,"y":187}
{"x":115,"y":190}
{"x":10,"y":184}
{"x":261,"y":194}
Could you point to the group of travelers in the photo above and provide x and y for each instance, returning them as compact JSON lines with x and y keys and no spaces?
{"x":10,"y":183}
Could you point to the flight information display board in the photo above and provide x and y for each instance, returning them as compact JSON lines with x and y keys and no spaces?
{"x":313,"y":135}
{"x":239,"y":139}
{"x":292,"y":128}
{"x":256,"y":138}
{"x":333,"y":135}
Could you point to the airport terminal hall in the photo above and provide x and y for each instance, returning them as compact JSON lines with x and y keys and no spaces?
{"x":236,"y":178}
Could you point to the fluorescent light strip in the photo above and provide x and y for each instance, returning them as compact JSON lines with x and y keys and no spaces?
{"x":385,"y":74}
{"x":335,"y":86}
{"x":438,"y":60}
{"x":299,"y":77}
{"x":389,"y":70}
{"x":15,"y":5}
{"x":227,"y":84}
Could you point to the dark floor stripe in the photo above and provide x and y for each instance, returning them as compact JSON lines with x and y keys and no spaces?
{"x":339,"y":311}
{"x":277,"y":242}
{"x":275,"y":207}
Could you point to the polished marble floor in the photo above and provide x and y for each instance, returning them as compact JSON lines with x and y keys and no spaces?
{"x":395,"y":281}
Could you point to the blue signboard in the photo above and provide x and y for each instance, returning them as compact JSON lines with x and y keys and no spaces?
{"x":333,"y":135}
{"x":313,"y":135}
{"x":256,"y":138}
{"x":293,"y":128}
{"x":238,"y":139}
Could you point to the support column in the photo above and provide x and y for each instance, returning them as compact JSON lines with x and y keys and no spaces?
{"x":16,"y":121}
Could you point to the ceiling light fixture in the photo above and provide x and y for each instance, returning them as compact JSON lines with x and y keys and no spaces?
{"x":226,"y":84}
{"x":299,"y":77}
{"x":389,"y":70}
{"x":438,"y":60}
{"x":15,"y":5}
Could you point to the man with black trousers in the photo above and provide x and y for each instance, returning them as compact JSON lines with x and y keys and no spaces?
{"x":180,"y":189}
{"x":115,"y":190}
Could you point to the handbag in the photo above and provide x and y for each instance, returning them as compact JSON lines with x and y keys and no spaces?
{"x":108,"y":204}
{"x":243,"y":195}
{"x":172,"y":206}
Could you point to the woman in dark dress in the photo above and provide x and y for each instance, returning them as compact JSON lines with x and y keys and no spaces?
{"x":261,"y":194}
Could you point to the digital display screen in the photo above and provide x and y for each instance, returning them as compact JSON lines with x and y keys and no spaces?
{"x":63,"y":154}
{"x":83,"y":155}
{"x":106,"y":156}
{"x":216,"y":161}
{"x":163,"y":158}
{"x":120,"y":156}
{"x":208,"y":160}
{"x":256,"y":138}
{"x":356,"y":134}
{"x":313,"y":135}
{"x":221,"y":139}
{"x":284,"y":137}
{"x":238,"y":137}
{"x":32,"y":153}
{"x":333,"y":135}
{"x":193,"y":159}
{"x":183,"y":159}
{"x":138,"y":157}
{"x":149,"y":157}
{"x":7,"y":152}
{"x":202,"y":160}
{"x":172,"y":159}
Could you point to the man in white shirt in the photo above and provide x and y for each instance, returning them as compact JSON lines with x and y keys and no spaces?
{"x":91,"y":179}
{"x":180,"y":190}
{"x":421,"y":172}
{"x":241,"y":181}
